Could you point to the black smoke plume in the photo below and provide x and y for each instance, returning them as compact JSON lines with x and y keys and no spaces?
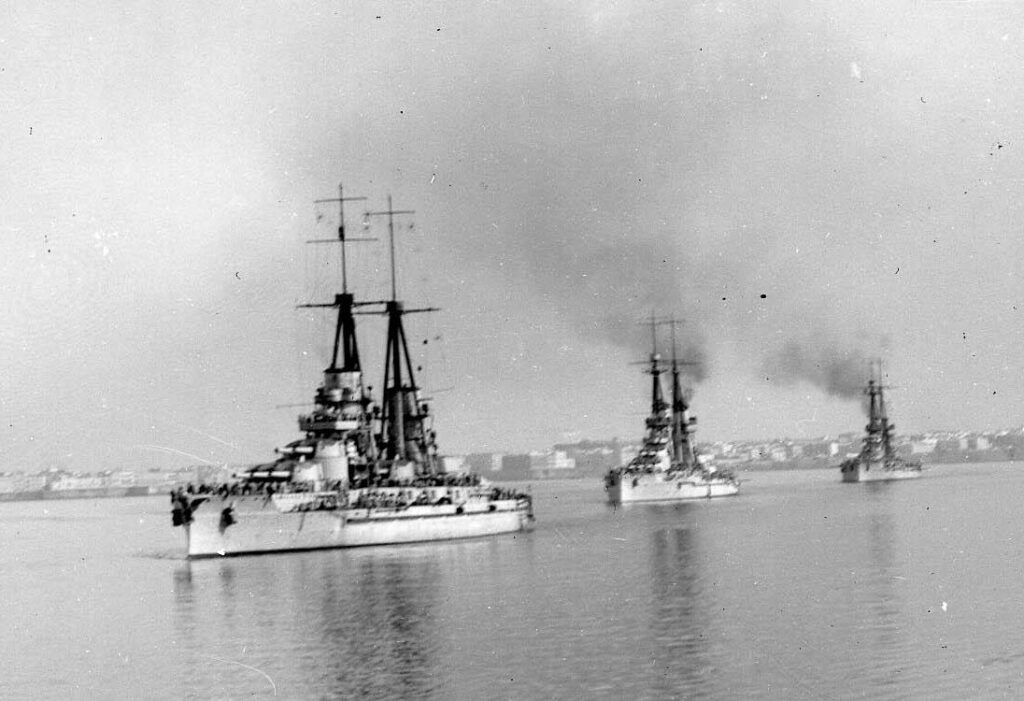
{"x":838,"y":371}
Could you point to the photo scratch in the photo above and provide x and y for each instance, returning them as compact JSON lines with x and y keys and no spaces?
{"x":242,"y":664}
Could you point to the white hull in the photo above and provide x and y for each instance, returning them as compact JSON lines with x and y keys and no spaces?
{"x":260,"y":525}
{"x":879,"y":473}
{"x":656,"y":488}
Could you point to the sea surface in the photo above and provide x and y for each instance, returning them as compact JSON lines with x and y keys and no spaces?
{"x":799,"y":588}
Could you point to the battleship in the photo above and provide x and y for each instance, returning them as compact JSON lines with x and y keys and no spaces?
{"x":877,"y":460}
{"x":667,"y":467}
{"x":362,"y":473}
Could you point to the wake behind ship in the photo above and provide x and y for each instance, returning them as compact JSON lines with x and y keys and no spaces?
{"x":667,"y":467}
{"x":362,"y":473}
{"x":877,"y":460}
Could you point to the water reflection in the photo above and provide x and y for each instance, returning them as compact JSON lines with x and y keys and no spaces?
{"x":884,"y":603}
{"x":328,"y":624}
{"x":678,"y":615}
{"x":375,"y":614}
{"x":885,"y":653}
{"x":886,"y":570}
{"x":183,"y":585}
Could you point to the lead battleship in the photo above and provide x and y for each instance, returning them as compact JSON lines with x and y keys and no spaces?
{"x":667,"y":467}
{"x":362,"y":473}
{"x":877,"y":460}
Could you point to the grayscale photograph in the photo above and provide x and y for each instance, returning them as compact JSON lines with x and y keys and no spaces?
{"x":502,"y":350}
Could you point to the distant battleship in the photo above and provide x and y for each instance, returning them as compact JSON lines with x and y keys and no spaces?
{"x":877,"y":461}
{"x":362,"y":474}
{"x":667,"y":467}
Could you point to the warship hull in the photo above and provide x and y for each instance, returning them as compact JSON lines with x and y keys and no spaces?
{"x":862,"y":472}
{"x":258,"y":524}
{"x":654,"y":488}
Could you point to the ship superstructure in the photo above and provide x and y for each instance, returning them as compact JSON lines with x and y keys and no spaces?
{"x":877,"y":460}
{"x":667,"y":467}
{"x":362,"y":473}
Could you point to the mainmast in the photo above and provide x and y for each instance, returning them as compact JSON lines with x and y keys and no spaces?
{"x":683,"y":452}
{"x":403,"y":435}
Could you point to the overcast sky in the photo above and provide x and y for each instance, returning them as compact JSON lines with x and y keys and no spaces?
{"x":805,"y":184}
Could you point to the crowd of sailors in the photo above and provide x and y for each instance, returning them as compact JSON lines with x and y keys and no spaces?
{"x":637,"y":469}
{"x":404,"y":498}
{"x":373,"y":494}
{"x":271,"y":487}
{"x":438,"y":480}
{"x":245,"y":489}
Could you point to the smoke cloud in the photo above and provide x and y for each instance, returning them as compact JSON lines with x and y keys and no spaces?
{"x":612,"y":290}
{"x":839,"y":372}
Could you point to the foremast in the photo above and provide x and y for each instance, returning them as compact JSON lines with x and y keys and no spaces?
{"x":339,"y":429}
{"x":659,"y":421}
{"x":878,"y":441}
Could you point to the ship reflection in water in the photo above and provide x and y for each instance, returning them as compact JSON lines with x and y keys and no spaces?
{"x":678,"y":615}
{"x":885,"y":605}
{"x":390,"y":640}
{"x":361,"y":624}
{"x":885,"y":621}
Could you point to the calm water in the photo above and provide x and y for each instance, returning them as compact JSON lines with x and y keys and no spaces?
{"x":801,"y":587}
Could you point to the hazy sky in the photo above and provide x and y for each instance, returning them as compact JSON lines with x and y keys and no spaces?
{"x":806,"y":184}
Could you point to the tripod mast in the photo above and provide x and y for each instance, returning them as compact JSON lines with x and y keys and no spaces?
{"x":403,"y":435}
